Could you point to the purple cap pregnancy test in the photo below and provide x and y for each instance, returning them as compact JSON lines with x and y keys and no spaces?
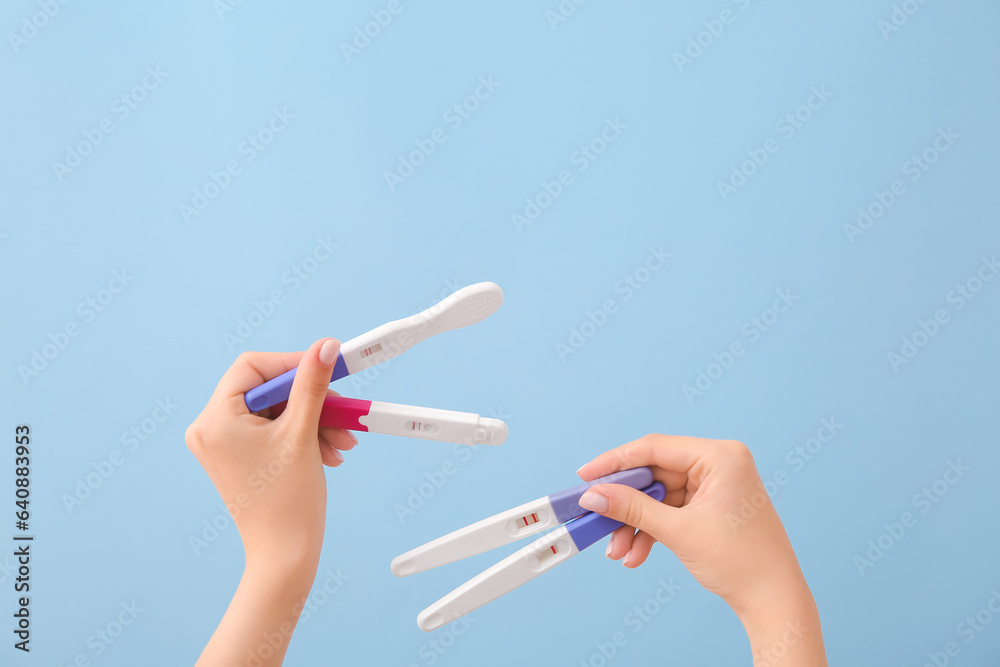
{"x":555,"y":547}
{"x":510,"y":526}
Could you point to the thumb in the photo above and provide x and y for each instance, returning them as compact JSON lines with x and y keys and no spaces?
{"x":634,"y":508}
{"x":312,"y":379}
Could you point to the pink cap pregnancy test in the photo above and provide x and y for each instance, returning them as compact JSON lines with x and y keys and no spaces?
{"x":411,"y":421}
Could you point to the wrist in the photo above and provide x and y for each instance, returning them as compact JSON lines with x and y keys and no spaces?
{"x":783,"y":627}
{"x":293,"y":570}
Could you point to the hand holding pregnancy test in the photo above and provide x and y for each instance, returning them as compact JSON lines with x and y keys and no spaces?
{"x":580,"y":529}
{"x":459,"y":309}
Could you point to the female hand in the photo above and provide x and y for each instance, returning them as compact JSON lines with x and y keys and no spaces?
{"x":719,"y":521}
{"x":269,"y":472}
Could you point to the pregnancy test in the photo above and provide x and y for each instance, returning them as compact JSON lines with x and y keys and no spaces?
{"x":411,"y":421}
{"x":506,"y":527}
{"x":459,"y":309}
{"x":522,"y":566}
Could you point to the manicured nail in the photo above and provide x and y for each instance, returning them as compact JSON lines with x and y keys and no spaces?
{"x":594,"y":502}
{"x":336,"y":454}
{"x":625,"y":560}
{"x":611,"y":544}
{"x":350,"y":434}
{"x":328,"y":353}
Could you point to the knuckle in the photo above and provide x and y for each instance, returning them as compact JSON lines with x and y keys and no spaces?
{"x":652,"y":441}
{"x":740,"y":453}
{"x":311,"y":384}
{"x":633,"y":514}
{"x":296,"y":431}
{"x":621,"y":460}
{"x":317,"y":387}
{"x":194,"y":438}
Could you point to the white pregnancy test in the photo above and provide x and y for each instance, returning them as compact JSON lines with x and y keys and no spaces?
{"x":506,"y":527}
{"x":459,"y":309}
{"x":411,"y":421}
{"x":524,"y":565}
{"x":519,"y":568}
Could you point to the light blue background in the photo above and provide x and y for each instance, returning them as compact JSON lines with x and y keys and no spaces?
{"x":450,"y":225}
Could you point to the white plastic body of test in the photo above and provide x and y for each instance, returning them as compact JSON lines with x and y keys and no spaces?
{"x":518,"y":568}
{"x":459,"y":309}
{"x":432,"y":424}
{"x":490,"y":533}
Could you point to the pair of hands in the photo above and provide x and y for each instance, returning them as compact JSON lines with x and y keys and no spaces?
{"x":270,"y":466}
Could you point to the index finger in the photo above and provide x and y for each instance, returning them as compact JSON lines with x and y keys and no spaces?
{"x":674,"y":453}
{"x":252,"y":369}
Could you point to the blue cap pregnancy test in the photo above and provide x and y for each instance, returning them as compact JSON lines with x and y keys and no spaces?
{"x":581,"y":529}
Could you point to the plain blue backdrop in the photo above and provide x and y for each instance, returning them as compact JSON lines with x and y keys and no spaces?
{"x":199,"y":79}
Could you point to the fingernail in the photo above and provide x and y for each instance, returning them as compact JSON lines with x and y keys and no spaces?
{"x":611,"y":544}
{"x":625,"y":560}
{"x":594,"y":502}
{"x":328,"y":353}
{"x":350,"y":434}
{"x":336,"y":454}
{"x":581,"y":467}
